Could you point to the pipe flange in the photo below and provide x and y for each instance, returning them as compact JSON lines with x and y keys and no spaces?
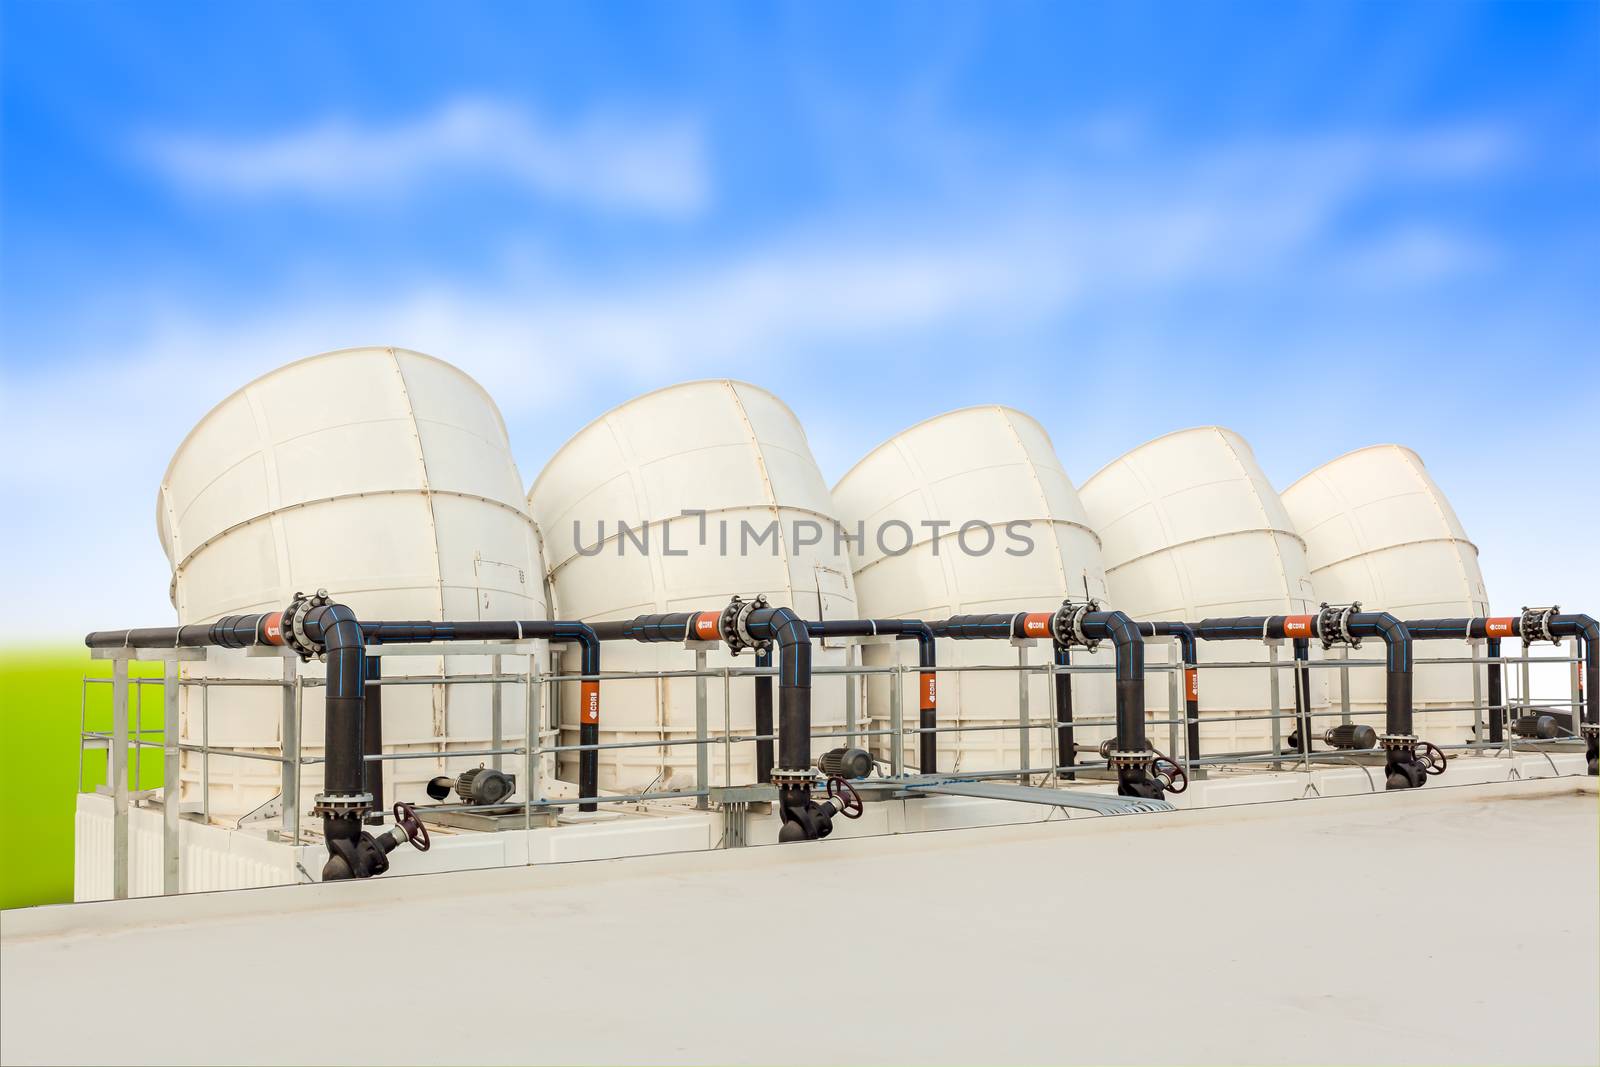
{"x":1397,"y":742}
{"x":1536,"y":625}
{"x":334,"y":805}
{"x":1129,"y":759}
{"x":1333,"y":625}
{"x":1590,"y":729}
{"x":734,"y":625}
{"x":783,"y":777}
{"x":1067,"y":625}
{"x":294,"y":624}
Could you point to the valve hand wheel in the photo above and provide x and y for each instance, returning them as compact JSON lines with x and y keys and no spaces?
{"x":408,"y":823}
{"x":1175,"y":780}
{"x":1433,"y":757}
{"x":845,"y":793}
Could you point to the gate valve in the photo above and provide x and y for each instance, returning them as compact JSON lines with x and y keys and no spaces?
{"x":1432,"y":757}
{"x":409,"y":827}
{"x":843,"y":796}
{"x":1173,"y":780}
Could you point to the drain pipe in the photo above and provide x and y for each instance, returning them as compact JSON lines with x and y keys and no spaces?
{"x":1347,"y":625}
{"x":513,"y":630}
{"x":313,"y":626}
{"x":1084,"y":625}
{"x":754,"y":624}
{"x":1191,"y":676}
{"x":927,"y":662}
{"x":1534,"y":624}
{"x":1066,"y":750}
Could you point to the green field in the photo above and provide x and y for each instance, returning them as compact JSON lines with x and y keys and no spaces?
{"x":40,"y":695}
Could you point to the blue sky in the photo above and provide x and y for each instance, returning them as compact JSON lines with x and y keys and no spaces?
{"x":1323,"y":225}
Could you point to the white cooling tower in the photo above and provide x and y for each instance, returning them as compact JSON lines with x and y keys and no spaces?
{"x":383,"y":476}
{"x":991,"y":465}
{"x":1190,"y":528}
{"x":761,"y":521}
{"x":1379,"y":530}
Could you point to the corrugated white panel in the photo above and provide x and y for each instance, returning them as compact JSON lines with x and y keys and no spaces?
{"x":737,"y":457}
{"x":1378,"y":529}
{"x":993,"y":465}
{"x":1191,"y":528}
{"x":382,"y":475}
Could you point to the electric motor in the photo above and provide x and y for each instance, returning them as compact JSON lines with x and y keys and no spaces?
{"x":845,"y":763}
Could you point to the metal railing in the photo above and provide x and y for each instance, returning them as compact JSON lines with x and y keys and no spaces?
{"x":544,"y":732}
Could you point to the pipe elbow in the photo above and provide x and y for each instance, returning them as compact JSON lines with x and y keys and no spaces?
{"x":1394,"y":634}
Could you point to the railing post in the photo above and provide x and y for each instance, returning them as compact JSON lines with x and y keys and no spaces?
{"x":897,"y":753}
{"x":1344,"y":685}
{"x":117,"y":771}
{"x":497,"y":733}
{"x":289,"y":787}
{"x":171,"y":779}
{"x":1474,"y":647}
{"x":850,"y":683}
{"x":1277,"y":707}
{"x":1023,"y":718}
{"x":702,"y":763}
{"x":205,"y":751}
{"x":532,"y":762}
{"x":1174,"y":694}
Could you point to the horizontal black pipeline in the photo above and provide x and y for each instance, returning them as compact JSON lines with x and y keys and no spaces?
{"x":927,"y":662}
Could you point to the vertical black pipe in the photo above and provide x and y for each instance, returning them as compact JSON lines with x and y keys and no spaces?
{"x":345,"y":711}
{"x":764,"y":717}
{"x":372,"y":732}
{"x":1302,"y":694}
{"x":1497,"y":711}
{"x":1066,"y":751}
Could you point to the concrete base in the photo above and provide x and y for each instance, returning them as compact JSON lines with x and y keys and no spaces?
{"x":216,"y":858}
{"x":1359,"y":929}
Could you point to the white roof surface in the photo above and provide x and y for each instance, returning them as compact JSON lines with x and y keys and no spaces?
{"x":998,"y":945}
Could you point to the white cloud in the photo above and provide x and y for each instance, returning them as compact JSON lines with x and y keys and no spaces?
{"x":1004,"y":259}
{"x":651,"y":166}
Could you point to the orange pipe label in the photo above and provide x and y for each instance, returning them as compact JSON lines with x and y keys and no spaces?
{"x":930,"y":695}
{"x":589,"y":703}
{"x":1037,"y":623}
{"x":1298,"y":625}
{"x":272,"y":628}
{"x":1498,"y":627}
{"x":1191,"y":678}
{"x":705,"y":626}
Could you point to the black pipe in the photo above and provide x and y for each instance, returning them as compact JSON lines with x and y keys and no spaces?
{"x":1066,"y":752}
{"x":1404,"y":770}
{"x":372,"y":735}
{"x":794,"y":692}
{"x":763,"y":717}
{"x":1497,"y":709}
{"x":580,"y":634}
{"x":1531,"y":626}
{"x":1191,"y":675}
{"x":927,"y":662}
{"x":1133,"y":778}
{"x":1302,"y":695}
{"x":803,"y":818}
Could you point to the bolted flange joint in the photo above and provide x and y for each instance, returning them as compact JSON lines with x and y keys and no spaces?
{"x":734,"y":625}
{"x":336,"y":805}
{"x":294,"y":624}
{"x":1333,"y":624}
{"x":1397,"y":742}
{"x":1131,"y":759}
{"x":1067,"y":625}
{"x":791,"y":777}
{"x":1535,"y":625}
